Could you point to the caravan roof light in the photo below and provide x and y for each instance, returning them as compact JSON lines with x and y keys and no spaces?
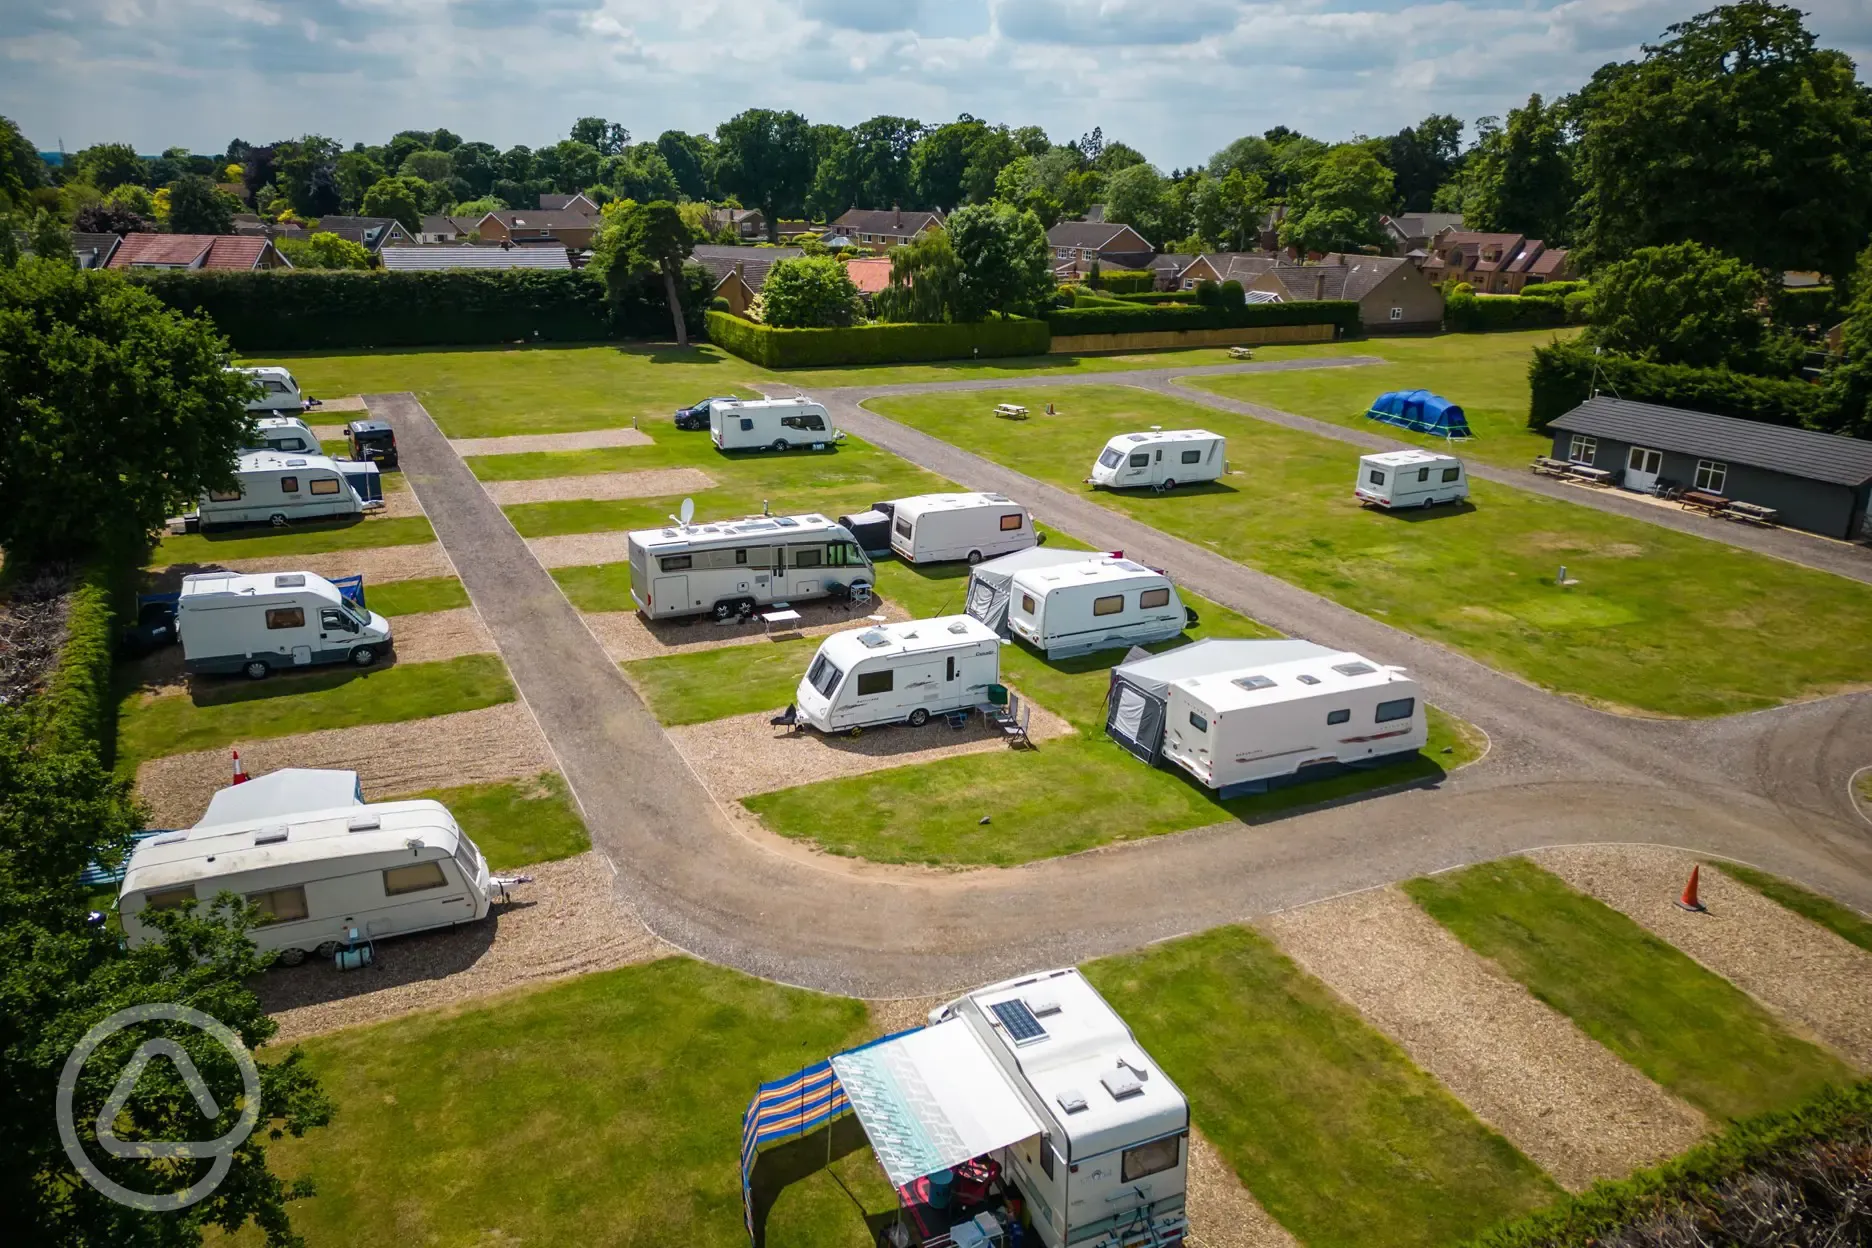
{"x":1307,"y":679}
{"x":786,"y":521}
{"x":874,"y":639}
{"x":1042,"y":1003}
{"x":1121,"y":1083}
{"x":1257,"y":681}
{"x":295,"y":463}
{"x":1354,"y":669}
{"x":958,"y":628}
{"x":364,"y":823}
{"x":289,"y":580}
{"x":1072,"y":1100}
{"x":273,"y":835}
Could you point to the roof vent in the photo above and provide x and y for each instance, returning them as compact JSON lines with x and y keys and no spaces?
{"x":364,"y":823}
{"x":786,"y":522}
{"x":1121,"y":1084}
{"x":295,"y":463}
{"x":289,"y":580}
{"x":1072,"y":1100}
{"x":1305,"y":679}
{"x":1354,"y":669}
{"x":273,"y":835}
{"x":1256,"y":681}
{"x":1042,"y":1003}
{"x":874,"y":639}
{"x":958,"y":628}
{"x":997,"y":498}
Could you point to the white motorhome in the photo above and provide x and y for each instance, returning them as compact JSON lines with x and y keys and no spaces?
{"x":280,"y":393}
{"x":316,"y":875}
{"x":1093,"y":604}
{"x":935,"y":528}
{"x":1161,"y":459}
{"x":1412,"y":478}
{"x":992,"y":581}
{"x":770,"y":424}
{"x":1237,"y":714}
{"x":732,"y":567}
{"x":282,"y":488}
{"x":253,"y":625}
{"x":285,"y":434}
{"x":899,"y":673}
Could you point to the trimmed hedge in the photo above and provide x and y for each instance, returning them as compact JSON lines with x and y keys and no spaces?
{"x":1154,"y":318}
{"x":1835,"y":1115}
{"x":1560,"y":376}
{"x":876,"y":344}
{"x":1553,"y":290}
{"x":1482,"y":313}
{"x":1124,"y":281}
{"x":77,"y":703}
{"x":1161,"y":296}
{"x":1808,"y":305}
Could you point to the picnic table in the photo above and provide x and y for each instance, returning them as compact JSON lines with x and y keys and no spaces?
{"x":1591,"y":475}
{"x":1241,"y":353}
{"x":1547,"y":466}
{"x":772,"y":618}
{"x":1705,"y":501}
{"x":1751,"y":513}
{"x":1010,"y":411}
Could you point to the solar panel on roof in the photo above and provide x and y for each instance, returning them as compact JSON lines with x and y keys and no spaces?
{"x":1019,"y":1021}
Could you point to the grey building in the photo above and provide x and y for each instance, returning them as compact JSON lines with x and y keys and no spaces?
{"x":1817,"y":481}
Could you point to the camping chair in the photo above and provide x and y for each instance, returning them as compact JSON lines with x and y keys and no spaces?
{"x":787,"y":719}
{"x":860,"y":595}
{"x":973,"y":1179}
{"x":1013,"y":719}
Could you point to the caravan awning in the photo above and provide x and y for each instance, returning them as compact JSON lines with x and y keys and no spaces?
{"x":282,"y":794}
{"x":931,"y":1100}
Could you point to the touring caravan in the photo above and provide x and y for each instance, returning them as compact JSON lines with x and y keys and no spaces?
{"x":279,"y":392}
{"x":899,"y":673}
{"x":281,"y":488}
{"x":1094,"y":604}
{"x":1161,"y":459}
{"x":253,"y":625}
{"x":316,"y":875}
{"x":1393,"y":479}
{"x":935,"y":528}
{"x":769,"y":424}
{"x":991,"y":582}
{"x":286,"y":434}
{"x":1236,"y":714}
{"x":732,"y":567}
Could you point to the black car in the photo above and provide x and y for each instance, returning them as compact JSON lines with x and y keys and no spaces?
{"x":372,"y":440}
{"x":155,"y":628}
{"x":697,"y":417}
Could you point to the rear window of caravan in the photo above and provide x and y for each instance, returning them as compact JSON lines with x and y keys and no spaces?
{"x":1400,"y":708}
{"x":1376,"y":477}
{"x":1011,"y":522}
{"x":1154,"y":598}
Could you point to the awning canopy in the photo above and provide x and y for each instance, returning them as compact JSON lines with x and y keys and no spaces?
{"x":282,"y":794}
{"x":931,"y":1100}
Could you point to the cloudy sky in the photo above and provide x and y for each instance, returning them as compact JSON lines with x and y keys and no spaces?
{"x":1175,"y":78}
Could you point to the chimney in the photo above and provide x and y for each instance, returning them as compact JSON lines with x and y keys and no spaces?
{"x":899,"y":216}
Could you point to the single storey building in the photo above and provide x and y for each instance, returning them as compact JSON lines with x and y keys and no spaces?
{"x":1817,"y":481}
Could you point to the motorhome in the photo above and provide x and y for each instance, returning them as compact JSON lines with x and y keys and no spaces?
{"x":769,"y":424}
{"x":316,"y":875}
{"x":991,"y":581}
{"x":256,"y":624}
{"x":936,"y":528}
{"x":1161,"y":459}
{"x":1237,"y":714}
{"x":279,"y":392}
{"x":1393,"y":479}
{"x":732,"y":567}
{"x":899,"y":673}
{"x":286,"y":434}
{"x":1093,"y":604}
{"x":280,"y":489}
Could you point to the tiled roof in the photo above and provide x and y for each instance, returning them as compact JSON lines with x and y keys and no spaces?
{"x":542,"y":219}
{"x":93,"y":250}
{"x":720,"y":261}
{"x":563,"y":203}
{"x":455,"y":256}
{"x":869,"y":276}
{"x":1353,"y":278}
{"x":1796,"y":452}
{"x":1082,"y":234}
{"x":1425,"y":224}
{"x":892,"y":221}
{"x":1171,"y":262}
{"x":204,"y":251}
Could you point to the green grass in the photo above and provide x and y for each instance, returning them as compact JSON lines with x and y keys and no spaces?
{"x":519,"y":822}
{"x":1660,"y":622}
{"x":1485,"y":373}
{"x":1328,"y":1123}
{"x":425,"y":594}
{"x":1843,"y":921}
{"x":232,"y":710}
{"x":1693,"y":1032}
{"x":259,"y":542}
{"x":605,"y":1109}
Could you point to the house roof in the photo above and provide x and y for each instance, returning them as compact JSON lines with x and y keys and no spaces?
{"x":93,"y":250}
{"x":892,"y":221}
{"x":1424,"y":224}
{"x":1171,"y":262}
{"x":564,"y":203}
{"x":1097,"y":235}
{"x":446,"y":225}
{"x":541,"y":219}
{"x":192,"y":251}
{"x":1518,"y":254}
{"x":1243,"y":266}
{"x":869,"y":276}
{"x":372,"y":232}
{"x":453,"y":256}
{"x":1777,"y":448}
{"x":1350,"y":277}
{"x":720,"y":260}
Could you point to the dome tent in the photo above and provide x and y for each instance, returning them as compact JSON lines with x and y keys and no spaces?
{"x":1421,"y":412}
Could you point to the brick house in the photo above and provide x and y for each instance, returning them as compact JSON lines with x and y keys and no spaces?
{"x":228,"y":252}
{"x":532,"y":227}
{"x":1417,"y":231}
{"x":569,"y":203}
{"x":1219,"y":266}
{"x":1495,"y":264}
{"x":739,"y":272}
{"x":1393,"y":297}
{"x":1077,"y":244}
{"x":372,"y":233}
{"x":871,"y":227}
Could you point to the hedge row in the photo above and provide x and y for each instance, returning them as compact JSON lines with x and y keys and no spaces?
{"x":1124,"y":281}
{"x":1561,"y":378}
{"x":1161,"y":296}
{"x":1553,"y":290}
{"x":77,"y":704}
{"x":1152,"y":318}
{"x":875,"y":344}
{"x":1807,"y":305}
{"x":1840,"y":1116}
{"x":1478,"y":313}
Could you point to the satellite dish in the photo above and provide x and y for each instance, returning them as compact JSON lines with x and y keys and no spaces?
{"x":687,"y":510}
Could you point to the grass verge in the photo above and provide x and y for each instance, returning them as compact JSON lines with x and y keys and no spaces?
{"x":519,"y":822}
{"x":257,"y":542}
{"x":1843,"y":921}
{"x":416,"y":597}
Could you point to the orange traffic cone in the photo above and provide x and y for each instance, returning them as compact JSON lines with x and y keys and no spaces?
{"x":1689,"y":899}
{"x":240,"y":769}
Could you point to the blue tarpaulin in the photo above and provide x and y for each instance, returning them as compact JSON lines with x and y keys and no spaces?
{"x":1421,"y":412}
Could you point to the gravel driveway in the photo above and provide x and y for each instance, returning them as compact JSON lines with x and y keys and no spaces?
{"x":526,"y":443}
{"x":604,"y":486}
{"x":627,"y":635}
{"x":378,"y":564}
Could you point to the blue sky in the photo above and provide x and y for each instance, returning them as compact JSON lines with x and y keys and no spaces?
{"x":1177,"y":80}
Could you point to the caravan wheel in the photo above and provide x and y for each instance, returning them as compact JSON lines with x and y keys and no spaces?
{"x":1170,"y":484}
{"x":291,"y":957}
{"x":974,"y":557}
{"x":255,"y":669}
{"x":780,"y":444}
{"x":277,"y":519}
{"x":725,"y":609}
{"x":326,"y":951}
{"x":919,"y":717}
{"x":364,"y":656}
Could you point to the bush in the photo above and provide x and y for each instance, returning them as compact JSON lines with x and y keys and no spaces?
{"x":1808,"y":305}
{"x":810,"y":292}
{"x":1471,"y":314}
{"x":1126,"y":281}
{"x":1561,"y":379}
{"x":1553,"y":290}
{"x":1086,"y":299}
{"x":78,"y":704}
{"x":1578,"y":307}
{"x":876,"y":344}
{"x":1161,"y":296}
{"x":1143,"y":318}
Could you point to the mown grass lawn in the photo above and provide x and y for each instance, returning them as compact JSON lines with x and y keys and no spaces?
{"x":231,"y":710}
{"x":1693,"y":1032}
{"x":1843,"y":921}
{"x":1660,"y":622}
{"x":261,"y":541}
{"x":1331,"y":1127}
{"x":416,"y":597}
{"x":518,"y":822}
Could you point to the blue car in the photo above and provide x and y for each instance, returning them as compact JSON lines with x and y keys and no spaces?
{"x":697,"y":417}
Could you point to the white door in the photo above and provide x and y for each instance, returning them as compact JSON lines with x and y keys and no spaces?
{"x":670,"y":593}
{"x":1642,"y":467}
{"x":1136,"y":469}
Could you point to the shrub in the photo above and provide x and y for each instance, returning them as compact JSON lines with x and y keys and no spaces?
{"x":1482,"y":313}
{"x":1127,"y":281}
{"x":1578,"y":307}
{"x":810,"y":292}
{"x":876,"y":344}
{"x":1208,"y":293}
{"x":78,"y":705}
{"x":1561,"y":379}
{"x":1808,"y":305}
{"x":1553,"y":290}
{"x":1689,"y":304}
{"x":1161,"y":296}
{"x":1141,"y":318}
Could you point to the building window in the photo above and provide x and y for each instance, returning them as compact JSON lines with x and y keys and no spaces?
{"x":1111,"y":604}
{"x":1581,"y":449}
{"x":1711,"y":475}
{"x":1011,"y":522}
{"x":1400,"y":708}
{"x":1154,"y":598}
{"x":285,"y":617}
{"x":416,"y":878}
{"x":1188,"y":284}
{"x":1397,"y":314}
{"x":325,"y":485}
{"x":876,"y":682}
{"x":280,"y":905}
{"x":1152,"y":1158}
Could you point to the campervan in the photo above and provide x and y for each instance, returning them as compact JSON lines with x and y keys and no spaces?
{"x":933,"y":528}
{"x":279,"y":392}
{"x":253,"y":624}
{"x":1410,"y":479}
{"x":281,"y":488}
{"x":899,"y":673}
{"x":1094,"y":604}
{"x":991,"y":581}
{"x":286,"y":434}
{"x":769,"y":424}
{"x":1236,"y":714}
{"x":316,"y":875}
{"x":1161,"y":459}
{"x":732,"y":567}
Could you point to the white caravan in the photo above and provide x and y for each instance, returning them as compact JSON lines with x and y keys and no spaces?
{"x":1094,"y":604}
{"x":1161,"y":459}
{"x":992,"y":581}
{"x":282,"y":488}
{"x":316,"y":875}
{"x":285,"y":434}
{"x":899,"y":673}
{"x":934,"y":528}
{"x":769,"y":424}
{"x":255,"y":624}
{"x":732,"y":567}
{"x":279,"y":391}
{"x":1411,"y":479}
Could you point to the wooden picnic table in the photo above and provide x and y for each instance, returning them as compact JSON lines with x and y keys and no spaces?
{"x":1704,"y":501}
{"x":1591,"y":475}
{"x":1751,"y":513}
{"x":1010,"y":411}
{"x":1546,"y":466}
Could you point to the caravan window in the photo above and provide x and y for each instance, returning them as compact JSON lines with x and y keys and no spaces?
{"x":415,"y":878}
{"x":1011,"y":522}
{"x":903,"y":527}
{"x":740,"y":556}
{"x":950,"y":671}
{"x":1154,"y":598}
{"x":1192,"y":457}
{"x":280,"y":905}
{"x":746,"y":424}
{"x":806,"y":556}
{"x":1450,"y":474}
{"x":876,"y":682}
{"x":1141,"y":459}
{"x":169,"y":898}
{"x":225,"y":496}
{"x":1152,"y":1158}
{"x":813,"y":421}
{"x":1027,"y":604}
{"x":285,"y":617}
{"x":325,"y":485}
{"x":1423,"y":474}
{"x":1111,"y":604}
{"x":1046,"y":1156}
{"x":1110,"y":458}
{"x":289,"y":485}
{"x":467,"y":856}
{"x":1338,"y":717}
{"x":1375,"y":477}
{"x":1198,"y":722}
{"x":824,"y":676}
{"x":337,"y":621}
{"x":676,"y":563}
{"x":1400,"y":708}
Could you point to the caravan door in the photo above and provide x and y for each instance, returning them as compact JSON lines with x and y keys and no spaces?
{"x":1137,"y":469}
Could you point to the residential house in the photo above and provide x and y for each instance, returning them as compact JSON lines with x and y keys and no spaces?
{"x":1224,"y":266}
{"x":1077,"y":245}
{"x":740,"y":272}
{"x":1495,"y":264}
{"x":440,"y":229}
{"x":748,"y":223}
{"x":1417,"y":231}
{"x":195,"y":251}
{"x":869,"y":275}
{"x":427,"y":259}
{"x":373,"y":233}
{"x":93,"y":251}
{"x":527,"y":227}
{"x":1816,"y":481}
{"x":1393,"y":297}
{"x":873,"y":227}
{"x":578,"y":203}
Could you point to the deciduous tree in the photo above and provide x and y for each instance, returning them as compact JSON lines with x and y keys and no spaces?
{"x":428,"y":165}
{"x":688,"y":157}
{"x":644,"y":242}
{"x":1422,"y":158}
{"x":198,"y":206}
{"x":398,"y":197}
{"x":1849,"y":380}
{"x":1337,"y":209}
{"x":106,"y":165}
{"x":1005,"y":263}
{"x":1686,"y":304}
{"x":324,"y":250}
{"x":766,"y":159}
{"x":925,"y":282}
{"x":1227,"y":211}
{"x":1134,"y":196}
{"x":112,"y":217}
{"x":809,"y":292}
{"x":1519,"y":179}
{"x":608,"y":138}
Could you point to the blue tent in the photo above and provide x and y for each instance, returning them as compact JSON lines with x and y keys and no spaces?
{"x":1422,"y":412}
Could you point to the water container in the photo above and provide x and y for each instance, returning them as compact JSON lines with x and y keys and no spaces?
{"x":941,"y":1188}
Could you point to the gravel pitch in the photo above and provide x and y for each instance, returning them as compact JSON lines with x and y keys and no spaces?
{"x":745,"y":755}
{"x":573,"y":550}
{"x":653,"y":483}
{"x":378,"y":564}
{"x":521,"y":444}
{"x":469,"y":747}
{"x":328,"y":433}
{"x":1223,"y":1213}
{"x":436,"y":636}
{"x":568,"y":921}
{"x":627,"y":635}
{"x":1796,"y":967}
{"x":399,"y":499}
{"x":349,"y":403}
{"x":1553,"y":1091}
